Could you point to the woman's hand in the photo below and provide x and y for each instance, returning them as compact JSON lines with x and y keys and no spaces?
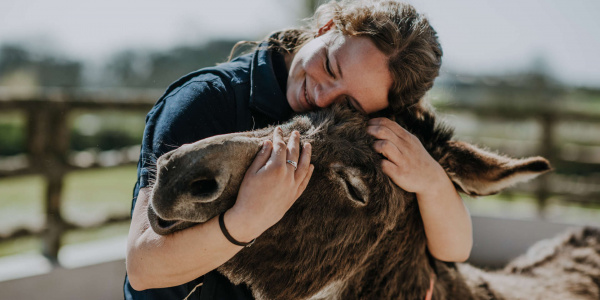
{"x":407,"y":162}
{"x":270,"y":186}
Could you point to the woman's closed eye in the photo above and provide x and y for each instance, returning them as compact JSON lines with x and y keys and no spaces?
{"x":328,"y":64}
{"x":352,"y":103}
{"x":348,"y":103}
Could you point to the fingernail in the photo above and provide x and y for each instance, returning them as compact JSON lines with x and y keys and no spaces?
{"x":264,"y":147}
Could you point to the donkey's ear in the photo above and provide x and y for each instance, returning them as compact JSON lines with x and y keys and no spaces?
{"x":479,"y":172}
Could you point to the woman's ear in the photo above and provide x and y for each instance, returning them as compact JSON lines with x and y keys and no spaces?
{"x":324,"y":28}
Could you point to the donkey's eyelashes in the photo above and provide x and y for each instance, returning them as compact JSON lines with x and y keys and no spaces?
{"x":351,"y":181}
{"x":353,"y":192}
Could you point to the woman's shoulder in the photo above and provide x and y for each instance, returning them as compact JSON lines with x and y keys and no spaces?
{"x":220,"y":78}
{"x":203,"y":102}
{"x":198,"y":105}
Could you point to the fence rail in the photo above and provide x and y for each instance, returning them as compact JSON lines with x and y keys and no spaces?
{"x":47,"y":146}
{"x":549,"y":119}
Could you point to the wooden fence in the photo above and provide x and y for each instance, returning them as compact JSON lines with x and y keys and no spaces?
{"x":568,"y":170}
{"x":48,"y":146}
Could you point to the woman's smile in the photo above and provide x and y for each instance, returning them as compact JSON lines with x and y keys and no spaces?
{"x":307,"y":100}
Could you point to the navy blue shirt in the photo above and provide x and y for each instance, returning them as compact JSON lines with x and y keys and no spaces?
{"x":243,"y":94}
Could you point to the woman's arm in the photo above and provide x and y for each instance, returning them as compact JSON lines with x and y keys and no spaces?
{"x":155,"y":261}
{"x":446,"y":219}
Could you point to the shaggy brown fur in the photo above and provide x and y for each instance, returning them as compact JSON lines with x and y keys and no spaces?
{"x":353,"y":234}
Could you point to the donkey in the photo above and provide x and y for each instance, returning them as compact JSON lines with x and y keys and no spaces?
{"x":354,"y":234}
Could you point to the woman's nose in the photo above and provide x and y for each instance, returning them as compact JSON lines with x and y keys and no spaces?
{"x":327,"y":94}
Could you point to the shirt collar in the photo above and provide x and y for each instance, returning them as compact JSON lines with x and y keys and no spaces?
{"x":268,"y":80}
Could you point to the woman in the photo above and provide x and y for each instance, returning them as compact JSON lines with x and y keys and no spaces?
{"x":374,"y":55}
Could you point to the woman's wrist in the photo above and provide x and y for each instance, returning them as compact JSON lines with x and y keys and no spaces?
{"x":240,"y":227}
{"x":439,"y":185}
{"x":228,"y":235}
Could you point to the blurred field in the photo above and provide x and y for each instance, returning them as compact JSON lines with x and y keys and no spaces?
{"x":90,"y":196}
{"x":524,"y":206}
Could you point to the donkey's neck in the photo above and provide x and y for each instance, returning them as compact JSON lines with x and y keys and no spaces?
{"x":398,"y":269}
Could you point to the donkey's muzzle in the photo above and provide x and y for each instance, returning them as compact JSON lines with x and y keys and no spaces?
{"x":165,"y":227}
{"x":198,"y":181}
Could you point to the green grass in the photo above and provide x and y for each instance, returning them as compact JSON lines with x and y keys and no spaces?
{"x":525,"y":206}
{"x":88,"y":235}
{"x":12,"y":117}
{"x":34,"y":244}
{"x":12,"y":132}
{"x":21,"y":202}
{"x":21,"y":246}
{"x":93,"y":195}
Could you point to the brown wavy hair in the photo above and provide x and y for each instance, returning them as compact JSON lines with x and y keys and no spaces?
{"x":396,"y":29}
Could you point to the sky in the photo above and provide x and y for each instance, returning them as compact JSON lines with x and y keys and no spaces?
{"x":478,"y":36}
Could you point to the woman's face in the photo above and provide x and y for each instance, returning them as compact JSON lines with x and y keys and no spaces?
{"x":336,"y":68}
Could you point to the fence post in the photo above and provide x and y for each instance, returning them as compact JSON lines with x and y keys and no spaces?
{"x":548,"y":150}
{"x":48,"y":142}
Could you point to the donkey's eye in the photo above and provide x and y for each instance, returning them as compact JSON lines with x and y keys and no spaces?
{"x":354,"y":193}
{"x":352,"y":183}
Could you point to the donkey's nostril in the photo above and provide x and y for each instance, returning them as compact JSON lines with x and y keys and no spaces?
{"x":164,"y":223}
{"x":203,"y":187}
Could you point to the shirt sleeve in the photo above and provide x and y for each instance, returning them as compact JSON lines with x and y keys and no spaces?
{"x":200,"y":108}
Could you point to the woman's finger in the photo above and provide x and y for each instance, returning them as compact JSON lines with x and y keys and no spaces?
{"x":293,"y":148}
{"x":384,"y":133}
{"x":261,"y":157}
{"x":304,"y":162}
{"x":388,"y":149}
{"x":392,"y":126}
{"x":393,"y":171}
{"x":278,"y":154}
{"x":305,"y":180}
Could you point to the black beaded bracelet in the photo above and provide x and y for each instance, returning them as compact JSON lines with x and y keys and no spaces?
{"x":228,"y":236}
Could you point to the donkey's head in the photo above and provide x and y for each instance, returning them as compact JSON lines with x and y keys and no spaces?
{"x":348,"y":209}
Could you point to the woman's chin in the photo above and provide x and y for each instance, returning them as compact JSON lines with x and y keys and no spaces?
{"x":295,"y":104}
